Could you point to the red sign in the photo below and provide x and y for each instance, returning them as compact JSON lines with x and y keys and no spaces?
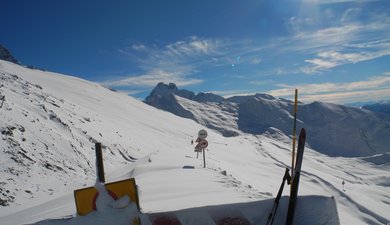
{"x":203,"y":143}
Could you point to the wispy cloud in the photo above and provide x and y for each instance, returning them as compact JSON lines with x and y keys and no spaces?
{"x":261,"y":82}
{"x":346,"y":43}
{"x":152,"y":78}
{"x":314,"y":45}
{"x":336,"y":1}
{"x":255,"y":60}
{"x":329,"y":59}
{"x":189,"y":52}
{"x":174,"y":62}
{"x":138,"y":47}
{"x":349,"y":97}
{"x":374,"y":88}
{"x":192,"y":47}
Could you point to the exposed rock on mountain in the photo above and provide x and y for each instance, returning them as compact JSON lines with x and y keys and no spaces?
{"x":6,"y":55}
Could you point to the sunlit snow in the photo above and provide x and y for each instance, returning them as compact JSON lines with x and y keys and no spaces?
{"x":50,"y":122}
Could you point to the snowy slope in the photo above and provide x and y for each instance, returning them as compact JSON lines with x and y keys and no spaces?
{"x":50,"y":123}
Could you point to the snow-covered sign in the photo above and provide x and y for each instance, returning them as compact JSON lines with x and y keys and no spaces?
{"x":202,"y":134}
{"x":85,"y":198}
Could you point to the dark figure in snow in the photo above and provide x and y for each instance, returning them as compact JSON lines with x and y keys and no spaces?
{"x":192,"y":142}
{"x":343,"y":185}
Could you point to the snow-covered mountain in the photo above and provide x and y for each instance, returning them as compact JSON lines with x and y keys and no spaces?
{"x":50,"y":122}
{"x":381,"y":107}
{"x":336,"y":130}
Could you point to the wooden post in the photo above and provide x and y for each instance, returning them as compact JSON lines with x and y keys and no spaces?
{"x":99,"y":163}
{"x":294,"y":132}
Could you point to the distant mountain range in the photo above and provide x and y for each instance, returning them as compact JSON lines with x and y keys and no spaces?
{"x":335,"y":130}
{"x":380,"y":107}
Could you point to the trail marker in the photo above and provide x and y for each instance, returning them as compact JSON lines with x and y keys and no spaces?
{"x":202,"y":144}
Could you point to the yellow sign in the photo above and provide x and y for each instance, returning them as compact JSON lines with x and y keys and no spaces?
{"x":86,"y":198}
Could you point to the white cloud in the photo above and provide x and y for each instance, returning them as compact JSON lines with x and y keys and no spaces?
{"x":330,"y":59}
{"x":152,"y":79}
{"x":314,"y":50}
{"x":375,"y":88}
{"x":261,"y":82}
{"x":351,"y":14}
{"x":343,"y":31}
{"x":174,"y":62}
{"x":256,"y":60}
{"x":192,"y":47}
{"x":138,"y":47}
{"x":348,"y":43}
{"x":349,"y":97}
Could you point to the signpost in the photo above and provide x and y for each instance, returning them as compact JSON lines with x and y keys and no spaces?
{"x":202,"y":144}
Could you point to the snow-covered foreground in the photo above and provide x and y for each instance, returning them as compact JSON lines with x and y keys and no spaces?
{"x":43,"y":162}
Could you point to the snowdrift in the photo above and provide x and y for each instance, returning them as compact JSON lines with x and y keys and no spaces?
{"x":311,"y":210}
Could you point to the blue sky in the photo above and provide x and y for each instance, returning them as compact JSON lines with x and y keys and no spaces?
{"x":331,"y":50}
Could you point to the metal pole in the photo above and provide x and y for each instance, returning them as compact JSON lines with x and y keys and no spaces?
{"x":294,"y":132}
{"x":99,"y":163}
{"x":204,"y":158}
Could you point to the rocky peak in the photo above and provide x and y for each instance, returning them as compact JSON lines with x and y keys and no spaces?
{"x":163,"y":89}
{"x":6,"y":55}
{"x":208,"y":97}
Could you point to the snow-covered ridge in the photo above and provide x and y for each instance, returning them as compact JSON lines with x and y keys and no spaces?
{"x":336,"y":130}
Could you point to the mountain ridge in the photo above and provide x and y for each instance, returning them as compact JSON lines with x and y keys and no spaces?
{"x":338,"y":130}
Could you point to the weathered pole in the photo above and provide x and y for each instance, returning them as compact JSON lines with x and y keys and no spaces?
{"x":294,"y":132}
{"x":99,"y":163}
